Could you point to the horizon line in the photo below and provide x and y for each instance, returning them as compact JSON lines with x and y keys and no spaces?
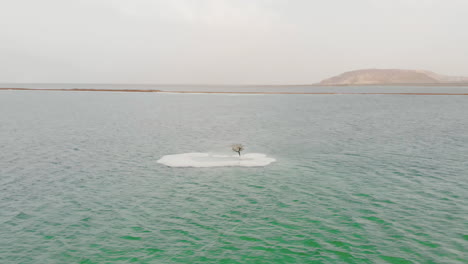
{"x":237,"y":85}
{"x":222,"y":92}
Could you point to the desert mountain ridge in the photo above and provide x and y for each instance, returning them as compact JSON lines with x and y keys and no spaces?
{"x":392,"y":76}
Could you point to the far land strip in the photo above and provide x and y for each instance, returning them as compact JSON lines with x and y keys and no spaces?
{"x":216,"y":92}
{"x":364,"y":77}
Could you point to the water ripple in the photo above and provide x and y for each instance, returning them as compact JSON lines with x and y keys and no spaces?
{"x":357,"y":180}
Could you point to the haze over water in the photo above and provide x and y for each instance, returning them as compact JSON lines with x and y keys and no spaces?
{"x":357,"y":179}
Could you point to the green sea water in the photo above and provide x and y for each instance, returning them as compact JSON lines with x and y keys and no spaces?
{"x":357,"y":179}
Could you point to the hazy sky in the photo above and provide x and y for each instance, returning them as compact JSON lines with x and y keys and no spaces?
{"x":226,"y":41}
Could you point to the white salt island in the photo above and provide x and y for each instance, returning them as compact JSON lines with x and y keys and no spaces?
{"x":206,"y":160}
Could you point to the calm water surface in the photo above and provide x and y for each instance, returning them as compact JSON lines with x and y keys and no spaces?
{"x":358,"y":179}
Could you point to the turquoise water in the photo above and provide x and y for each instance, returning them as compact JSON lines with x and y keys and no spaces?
{"x":358,"y":179}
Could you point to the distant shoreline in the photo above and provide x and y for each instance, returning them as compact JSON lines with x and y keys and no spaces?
{"x":213,"y":92}
{"x":5,"y":85}
{"x":395,"y":84}
{"x":81,"y":90}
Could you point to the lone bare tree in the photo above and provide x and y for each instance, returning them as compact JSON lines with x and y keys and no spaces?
{"x":237,"y":148}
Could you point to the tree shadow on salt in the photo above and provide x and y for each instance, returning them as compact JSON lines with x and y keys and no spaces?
{"x":207,"y":160}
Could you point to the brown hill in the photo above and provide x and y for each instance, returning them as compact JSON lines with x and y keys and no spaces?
{"x":391,"y":76}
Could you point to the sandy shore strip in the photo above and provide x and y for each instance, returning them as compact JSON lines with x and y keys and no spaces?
{"x":214,"y":92}
{"x":81,"y":90}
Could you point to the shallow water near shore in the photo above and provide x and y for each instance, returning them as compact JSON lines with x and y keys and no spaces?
{"x":357,"y":179}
